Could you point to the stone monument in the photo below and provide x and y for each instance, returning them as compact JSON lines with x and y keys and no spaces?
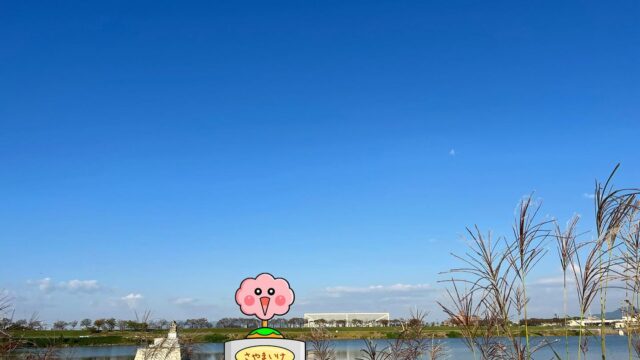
{"x":162,"y":348}
{"x":264,"y":297}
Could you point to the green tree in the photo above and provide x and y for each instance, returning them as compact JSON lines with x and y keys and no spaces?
{"x":59,"y":325}
{"x":99,"y":323}
{"x":110,"y":324}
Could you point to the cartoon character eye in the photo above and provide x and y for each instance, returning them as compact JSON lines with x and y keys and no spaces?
{"x":271,"y":291}
{"x":258,"y":291}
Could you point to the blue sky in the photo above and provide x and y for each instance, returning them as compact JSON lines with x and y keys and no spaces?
{"x":153,"y":154}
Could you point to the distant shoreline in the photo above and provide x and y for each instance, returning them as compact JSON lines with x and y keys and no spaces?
{"x":69,"y":338}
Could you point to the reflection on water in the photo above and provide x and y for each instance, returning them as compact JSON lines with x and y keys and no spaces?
{"x":350,"y":350}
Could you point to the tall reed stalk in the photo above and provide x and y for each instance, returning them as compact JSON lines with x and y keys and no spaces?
{"x":527,"y":249}
{"x":566,"y":246}
{"x":494,"y":273}
{"x":321,"y":347}
{"x":612,"y":209}
{"x":8,"y":344}
{"x":588,"y":275}
{"x":497,"y":273}
{"x":630,"y":256}
{"x":465,"y":313}
{"x":411,"y":343}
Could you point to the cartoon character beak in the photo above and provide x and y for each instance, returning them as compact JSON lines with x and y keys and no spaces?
{"x":264,"y":301}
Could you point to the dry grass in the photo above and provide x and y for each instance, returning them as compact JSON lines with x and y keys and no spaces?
{"x":630,"y":275}
{"x":321,"y":346}
{"x":371,"y":352}
{"x":411,"y":344}
{"x":527,"y":248}
{"x":612,"y":209}
{"x":9,"y":343}
{"x":494,"y":273}
{"x":566,"y":247}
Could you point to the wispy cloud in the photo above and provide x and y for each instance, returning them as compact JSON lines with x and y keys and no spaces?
{"x":47,"y":285}
{"x":396,"y":288}
{"x":132,"y":299}
{"x":553,"y":281}
{"x":589,"y":196}
{"x":44,"y":285}
{"x":399,"y":298}
{"x":452,"y":152}
{"x":184,"y":301}
{"x":191,"y":305}
{"x":80,"y":286}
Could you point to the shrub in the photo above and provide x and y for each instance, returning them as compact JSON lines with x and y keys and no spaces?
{"x":215,"y":338}
{"x":453,"y":334}
{"x":393,"y":335}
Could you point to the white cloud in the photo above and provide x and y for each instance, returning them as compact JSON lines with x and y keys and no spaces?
{"x":132,"y":299}
{"x":193,"y":306}
{"x":396,"y":288}
{"x":87,"y":286}
{"x":6,"y":299}
{"x":573,"y":269}
{"x":399,"y":299}
{"x":47,"y":285}
{"x":553,"y":281}
{"x":452,"y":152}
{"x":184,"y":301}
{"x":589,"y":196}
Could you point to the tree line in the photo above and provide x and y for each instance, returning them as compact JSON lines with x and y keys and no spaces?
{"x":113,"y":324}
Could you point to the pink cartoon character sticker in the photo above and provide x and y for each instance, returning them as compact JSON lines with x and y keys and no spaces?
{"x":264,"y":297}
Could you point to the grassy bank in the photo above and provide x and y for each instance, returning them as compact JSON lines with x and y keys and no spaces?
{"x":85,"y":338}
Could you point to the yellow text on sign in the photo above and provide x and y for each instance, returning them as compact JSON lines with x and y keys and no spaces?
{"x":265,"y":352}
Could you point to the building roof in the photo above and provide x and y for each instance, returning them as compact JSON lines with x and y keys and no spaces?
{"x":348,"y":316}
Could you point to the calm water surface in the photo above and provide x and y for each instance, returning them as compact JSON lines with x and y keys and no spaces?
{"x":350,"y":350}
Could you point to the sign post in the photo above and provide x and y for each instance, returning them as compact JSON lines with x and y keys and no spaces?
{"x":264,"y":297}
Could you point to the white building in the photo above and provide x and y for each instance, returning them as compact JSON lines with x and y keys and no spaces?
{"x":346,"y":319}
{"x":617,"y":323}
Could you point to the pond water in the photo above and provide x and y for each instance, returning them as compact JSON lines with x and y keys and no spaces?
{"x":350,"y":350}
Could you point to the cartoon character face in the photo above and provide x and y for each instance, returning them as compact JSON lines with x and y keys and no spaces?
{"x":264,"y":296}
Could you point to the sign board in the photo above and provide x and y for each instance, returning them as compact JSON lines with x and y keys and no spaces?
{"x":264,"y":349}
